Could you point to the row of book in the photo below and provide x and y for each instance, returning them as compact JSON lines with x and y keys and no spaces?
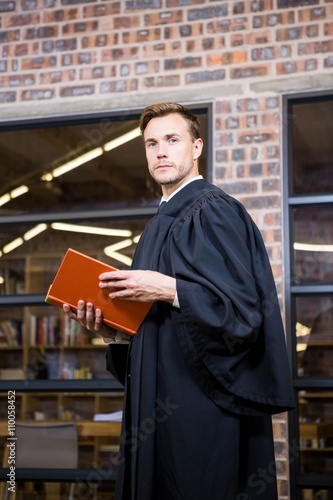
{"x":55,"y":330}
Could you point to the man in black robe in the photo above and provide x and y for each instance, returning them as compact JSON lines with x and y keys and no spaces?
{"x":208,"y":366}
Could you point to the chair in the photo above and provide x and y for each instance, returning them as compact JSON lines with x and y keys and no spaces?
{"x":47,"y":446}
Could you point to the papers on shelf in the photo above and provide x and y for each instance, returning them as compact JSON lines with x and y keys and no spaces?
{"x":115,"y":416}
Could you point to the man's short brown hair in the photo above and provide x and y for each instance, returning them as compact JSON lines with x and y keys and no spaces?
{"x":167,"y":108}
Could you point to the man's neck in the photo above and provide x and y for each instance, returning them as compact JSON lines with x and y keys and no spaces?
{"x":166,"y":197}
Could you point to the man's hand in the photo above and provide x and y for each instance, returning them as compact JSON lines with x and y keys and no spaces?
{"x":143,"y":286}
{"x":90,"y":319}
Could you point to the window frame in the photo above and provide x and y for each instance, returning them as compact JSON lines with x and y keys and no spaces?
{"x":298,"y":480}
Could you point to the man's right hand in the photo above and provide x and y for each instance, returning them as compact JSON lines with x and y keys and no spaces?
{"x":90,"y":319}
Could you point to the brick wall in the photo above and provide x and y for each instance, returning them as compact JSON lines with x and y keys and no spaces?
{"x":65,"y":56}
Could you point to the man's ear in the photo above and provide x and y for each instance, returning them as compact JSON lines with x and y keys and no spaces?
{"x":197,"y":148}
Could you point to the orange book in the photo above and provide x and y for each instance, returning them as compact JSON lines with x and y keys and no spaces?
{"x":78,"y":278}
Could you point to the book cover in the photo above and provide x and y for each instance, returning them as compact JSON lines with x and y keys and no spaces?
{"x":78,"y":279}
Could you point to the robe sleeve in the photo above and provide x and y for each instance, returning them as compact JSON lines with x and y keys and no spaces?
{"x":229,"y":323}
{"x":213,"y":254}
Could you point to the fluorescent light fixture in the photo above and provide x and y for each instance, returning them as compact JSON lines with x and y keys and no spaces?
{"x":122,"y":139}
{"x":91,"y":155}
{"x":34,"y":231}
{"x":77,"y":162}
{"x":122,"y":258}
{"x":104,"y":231}
{"x":12,"y":245}
{"x":5,"y":198}
{"x":111,"y":251}
{"x":19,"y":191}
{"x":2,"y":280}
{"x":309,"y":247}
{"x":137,"y":238}
{"x":118,"y":246}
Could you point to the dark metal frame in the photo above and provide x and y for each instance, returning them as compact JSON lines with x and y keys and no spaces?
{"x":107,"y":385}
{"x":298,"y":481}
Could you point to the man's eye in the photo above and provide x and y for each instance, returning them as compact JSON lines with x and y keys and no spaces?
{"x":172,"y":140}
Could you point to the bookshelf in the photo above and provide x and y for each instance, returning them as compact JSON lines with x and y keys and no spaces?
{"x":39,"y":344}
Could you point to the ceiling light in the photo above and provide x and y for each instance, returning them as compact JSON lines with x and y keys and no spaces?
{"x":115,"y":143}
{"x":122,"y":258}
{"x":12,"y":245}
{"x":34,"y":231}
{"x":67,"y":167}
{"x":19,"y":191}
{"x":118,"y":246}
{"x":104,"y":231}
{"x":310,"y":247}
{"x":111,"y":251}
{"x":137,"y":238}
{"x":5,"y":198}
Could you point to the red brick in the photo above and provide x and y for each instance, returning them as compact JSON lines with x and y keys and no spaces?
{"x":57,"y":76}
{"x":21,"y":20}
{"x":162,"y":81}
{"x":205,"y":44}
{"x":257,"y":136}
{"x":6,"y":97}
{"x":105,"y":9}
{"x":140,"y":36}
{"x":77,"y":91}
{"x":218,"y":59}
{"x":328,"y":28}
{"x":38,"y":62}
{"x":223,"y":26}
{"x":121,"y":54}
{"x":60,"y":15}
{"x":313,"y":14}
{"x":91,"y":73}
{"x":37,"y":95}
{"x":237,"y":39}
{"x":273,"y":19}
{"x":258,"y":37}
{"x":165,"y":17}
{"x":305,"y":48}
{"x":92,"y":41}
{"x":249,"y":72}
{"x":80,"y":27}
{"x":163,"y":49}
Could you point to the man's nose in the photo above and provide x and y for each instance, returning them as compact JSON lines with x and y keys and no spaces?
{"x":161,"y":152}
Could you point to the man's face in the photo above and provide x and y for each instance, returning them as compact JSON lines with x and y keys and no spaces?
{"x":171,"y":153}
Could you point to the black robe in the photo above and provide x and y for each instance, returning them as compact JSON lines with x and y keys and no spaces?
{"x":202,"y":381}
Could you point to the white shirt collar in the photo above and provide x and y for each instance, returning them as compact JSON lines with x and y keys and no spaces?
{"x":181,"y":187}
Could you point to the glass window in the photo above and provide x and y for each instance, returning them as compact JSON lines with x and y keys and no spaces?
{"x":316,"y":431}
{"x":309,"y":288}
{"x":85,"y":166}
{"x":313,"y":244}
{"x":31,"y":254}
{"x":312,"y":146}
{"x":314,"y":332}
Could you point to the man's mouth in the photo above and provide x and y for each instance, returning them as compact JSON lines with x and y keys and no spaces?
{"x":162,"y":166}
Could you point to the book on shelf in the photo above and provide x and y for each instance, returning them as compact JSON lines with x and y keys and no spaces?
{"x":114,"y":416}
{"x":11,"y":332}
{"x":44,"y":330}
{"x":78,"y":279}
